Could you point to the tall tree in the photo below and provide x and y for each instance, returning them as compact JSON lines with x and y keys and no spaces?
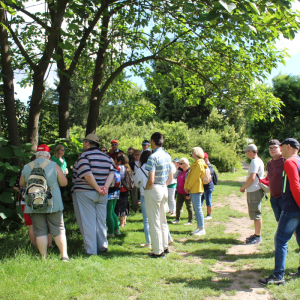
{"x":8,"y":82}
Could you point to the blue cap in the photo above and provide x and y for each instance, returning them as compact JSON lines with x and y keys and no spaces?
{"x":145,"y":142}
{"x":292,"y":142}
{"x":176,"y":160}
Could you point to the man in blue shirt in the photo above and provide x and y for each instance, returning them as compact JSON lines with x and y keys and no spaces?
{"x":159,"y":165}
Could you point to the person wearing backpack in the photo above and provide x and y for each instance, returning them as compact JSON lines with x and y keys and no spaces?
{"x":208,"y":189}
{"x":194,"y":186}
{"x":42,"y":179}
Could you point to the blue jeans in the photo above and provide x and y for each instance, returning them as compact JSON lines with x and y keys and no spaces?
{"x":289,"y":222}
{"x":196,"y":200}
{"x":145,"y":218}
{"x":277,"y":204}
{"x":207,"y":196}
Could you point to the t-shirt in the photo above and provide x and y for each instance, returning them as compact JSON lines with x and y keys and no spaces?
{"x":275,"y":168}
{"x":113,"y":155}
{"x":257,"y":167}
{"x":63,"y":165}
{"x":91,"y":161}
{"x":180,"y":183}
{"x":160,"y":163}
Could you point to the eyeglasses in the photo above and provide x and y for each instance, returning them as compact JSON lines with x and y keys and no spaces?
{"x":273,"y":148}
{"x":182,"y":163}
{"x":114,"y":144}
{"x":103,"y":150}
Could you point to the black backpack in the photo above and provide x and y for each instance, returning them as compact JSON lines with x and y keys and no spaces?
{"x":215,"y":178}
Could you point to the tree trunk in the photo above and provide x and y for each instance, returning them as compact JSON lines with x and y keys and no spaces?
{"x":8,"y":85}
{"x":63,"y":107}
{"x":95,"y":100}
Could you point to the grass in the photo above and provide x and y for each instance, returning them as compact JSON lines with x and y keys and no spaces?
{"x":125,"y":272}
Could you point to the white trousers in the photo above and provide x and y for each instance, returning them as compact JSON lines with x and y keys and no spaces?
{"x":171,"y":199}
{"x":155,"y":199}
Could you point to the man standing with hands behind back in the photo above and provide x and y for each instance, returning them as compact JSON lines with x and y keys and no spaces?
{"x":159,"y":165}
{"x":254,"y":192}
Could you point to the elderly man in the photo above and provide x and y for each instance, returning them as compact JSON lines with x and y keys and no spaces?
{"x":254,"y":193}
{"x":49,"y":219}
{"x":93,"y":173}
{"x":289,"y":221}
{"x":114,"y":151}
{"x":275,"y":168}
{"x":159,"y":165}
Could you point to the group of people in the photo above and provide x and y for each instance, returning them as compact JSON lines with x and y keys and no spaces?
{"x":283,"y":171}
{"x":102,"y":179}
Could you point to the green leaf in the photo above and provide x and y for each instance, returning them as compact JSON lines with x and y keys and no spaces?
{"x":212,"y":15}
{"x":229,"y":7}
{"x":7,"y":197}
{"x":64,"y":73}
{"x":254,"y":8}
{"x":15,"y":169}
{"x":6,"y":152}
{"x":3,"y":141}
{"x":57,"y":57}
{"x":5,"y":212}
{"x":66,"y":45}
{"x":12,"y":181}
{"x":1,"y":176}
{"x":73,"y":26}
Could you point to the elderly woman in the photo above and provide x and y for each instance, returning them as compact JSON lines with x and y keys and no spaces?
{"x":181,"y":176}
{"x":194,"y":186}
{"x":49,"y":219}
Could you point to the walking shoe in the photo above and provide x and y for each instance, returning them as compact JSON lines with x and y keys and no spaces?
{"x":175,"y":222}
{"x":193,"y":232}
{"x":172,"y":215}
{"x":208,"y":217}
{"x":255,"y":240}
{"x":250,"y":237}
{"x":188,"y":224}
{"x":294,"y":274}
{"x":118,"y":232}
{"x":152,"y":255}
{"x":200,"y":232}
{"x":111,"y":235}
{"x":271,"y":280}
{"x":166,"y":251}
{"x":65,"y":259}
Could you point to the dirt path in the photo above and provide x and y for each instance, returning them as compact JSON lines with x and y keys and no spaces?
{"x":244,"y":281}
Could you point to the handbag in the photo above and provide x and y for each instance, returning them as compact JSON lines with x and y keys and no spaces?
{"x":128,"y":182}
{"x":265,"y":188}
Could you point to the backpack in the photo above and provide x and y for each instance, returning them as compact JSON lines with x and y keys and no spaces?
{"x":215,"y":178}
{"x":128,"y":181}
{"x":38,"y":194}
{"x":116,"y":181}
{"x":207,"y":177}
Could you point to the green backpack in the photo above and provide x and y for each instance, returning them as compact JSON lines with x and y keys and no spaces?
{"x":38,"y":194}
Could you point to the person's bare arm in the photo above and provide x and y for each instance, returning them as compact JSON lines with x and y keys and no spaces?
{"x":22,"y":181}
{"x":170,"y":178}
{"x":109,"y":180}
{"x":61,"y":178}
{"x":150,"y":181}
{"x":66,"y":171}
{"x":248,"y":182}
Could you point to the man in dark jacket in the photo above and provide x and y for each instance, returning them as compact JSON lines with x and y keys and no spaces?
{"x":208,"y":189}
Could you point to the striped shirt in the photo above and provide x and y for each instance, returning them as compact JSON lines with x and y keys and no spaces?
{"x":91,"y":161}
{"x":160,"y":163}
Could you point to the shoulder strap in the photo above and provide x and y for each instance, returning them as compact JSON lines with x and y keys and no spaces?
{"x":31,"y":165}
{"x":144,"y":172}
{"x":45,"y":164}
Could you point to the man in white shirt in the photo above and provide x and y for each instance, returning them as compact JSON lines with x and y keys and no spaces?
{"x":254,"y":193}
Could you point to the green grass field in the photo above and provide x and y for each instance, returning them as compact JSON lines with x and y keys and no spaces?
{"x":126,"y":272}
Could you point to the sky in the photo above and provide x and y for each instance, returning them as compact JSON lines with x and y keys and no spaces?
{"x":291,"y":67}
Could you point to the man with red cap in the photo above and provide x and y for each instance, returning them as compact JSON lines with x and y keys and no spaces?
{"x":49,"y":219}
{"x":114,"y":151}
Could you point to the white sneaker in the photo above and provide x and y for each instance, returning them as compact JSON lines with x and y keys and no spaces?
{"x":195,"y":231}
{"x":188,"y":223}
{"x":208,"y":217}
{"x":172,"y":215}
{"x":200,"y":232}
{"x":175,"y":222}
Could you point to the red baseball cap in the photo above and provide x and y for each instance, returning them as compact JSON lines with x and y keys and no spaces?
{"x":43,"y":147}
{"x":205,"y":155}
{"x":114,"y":142}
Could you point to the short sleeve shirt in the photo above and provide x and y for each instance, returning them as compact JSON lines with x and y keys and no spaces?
{"x":160,"y":163}
{"x":91,"y":161}
{"x":257,"y":167}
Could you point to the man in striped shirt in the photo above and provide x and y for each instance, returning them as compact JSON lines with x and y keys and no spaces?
{"x":159,"y":165}
{"x":93,"y":173}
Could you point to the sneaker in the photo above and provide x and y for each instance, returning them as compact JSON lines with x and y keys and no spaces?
{"x":118,"y":232}
{"x":65,"y":259}
{"x":294,"y":274}
{"x":200,"y":232}
{"x":271,"y":280}
{"x":255,"y":240}
{"x":111,"y":235}
{"x":166,"y":251}
{"x":188,"y":224}
{"x":172,"y":215}
{"x":208,"y":217}
{"x":152,"y":255}
{"x":250,"y":237}
{"x":193,"y":232}
{"x":175,"y":222}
